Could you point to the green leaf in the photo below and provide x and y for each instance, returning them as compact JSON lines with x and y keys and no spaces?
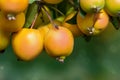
{"x":115,"y":22}
{"x":73,"y":19}
{"x":32,"y":10}
{"x":31,"y":1}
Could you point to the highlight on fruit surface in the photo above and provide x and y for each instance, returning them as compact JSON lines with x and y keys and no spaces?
{"x":92,"y":5}
{"x":53,"y":1}
{"x":12,"y":25}
{"x":13,"y":6}
{"x":93,"y":24}
{"x":4,"y":40}
{"x":27,"y":43}
{"x":112,"y":7}
{"x":59,"y":43}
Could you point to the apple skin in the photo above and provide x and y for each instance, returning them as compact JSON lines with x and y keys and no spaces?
{"x":4,"y":39}
{"x":12,"y":25}
{"x":59,"y":42}
{"x":86,"y":22}
{"x":27,"y":43}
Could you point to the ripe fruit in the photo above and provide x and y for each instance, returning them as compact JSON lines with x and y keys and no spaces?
{"x":12,"y":25}
{"x":89,"y":26}
{"x":53,"y":1}
{"x":4,"y":39}
{"x":13,"y":6}
{"x":72,"y":27}
{"x":92,"y":5}
{"x":45,"y":28}
{"x":27,"y":43}
{"x":112,"y":7}
{"x":42,"y":18}
{"x":59,"y":42}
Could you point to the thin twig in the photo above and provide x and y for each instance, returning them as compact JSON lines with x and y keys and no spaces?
{"x":33,"y":23}
{"x":50,"y":18}
{"x":57,"y":10}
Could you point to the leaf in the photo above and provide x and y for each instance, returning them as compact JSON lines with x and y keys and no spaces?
{"x":32,"y":10}
{"x":72,"y":20}
{"x":115,"y":22}
{"x":31,"y":1}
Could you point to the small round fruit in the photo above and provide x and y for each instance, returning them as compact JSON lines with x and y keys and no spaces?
{"x":92,"y":5}
{"x":12,"y":25}
{"x":90,"y":27}
{"x":53,"y":1}
{"x":13,"y":6}
{"x":101,"y":23}
{"x":59,"y":42}
{"x":4,"y":40}
{"x":112,"y":7}
{"x":27,"y":43}
{"x":45,"y":28}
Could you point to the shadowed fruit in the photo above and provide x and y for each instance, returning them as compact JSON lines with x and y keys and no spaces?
{"x":12,"y":25}
{"x":93,"y":24}
{"x":4,"y":40}
{"x":53,"y":1}
{"x":112,"y":7}
{"x":44,"y":29}
{"x":59,"y":42}
{"x":92,"y":5}
{"x":72,"y":27}
{"x":13,"y":6}
{"x":27,"y":43}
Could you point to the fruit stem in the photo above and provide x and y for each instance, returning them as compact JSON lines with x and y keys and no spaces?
{"x":56,"y":26}
{"x":92,"y":29}
{"x":11,"y":17}
{"x":57,"y":10}
{"x":73,"y":4}
{"x":96,"y":9}
{"x":33,"y":23}
{"x":61,"y":59}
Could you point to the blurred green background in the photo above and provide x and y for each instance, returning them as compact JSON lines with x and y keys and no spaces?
{"x":97,"y":59}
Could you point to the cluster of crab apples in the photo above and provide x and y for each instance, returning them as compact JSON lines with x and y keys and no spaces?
{"x":56,"y":36}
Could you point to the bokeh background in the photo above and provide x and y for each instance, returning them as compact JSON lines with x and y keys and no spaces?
{"x":97,"y":59}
